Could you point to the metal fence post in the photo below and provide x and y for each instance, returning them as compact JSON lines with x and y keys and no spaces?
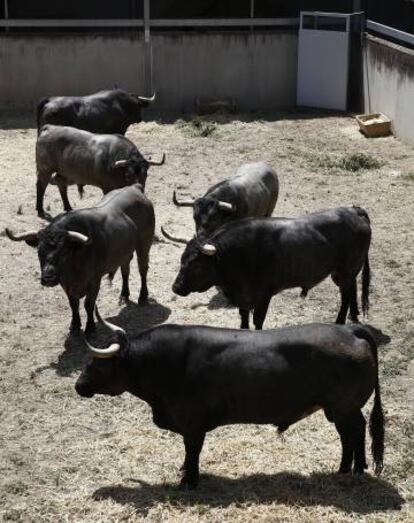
{"x":147,"y":49}
{"x":6,"y":11}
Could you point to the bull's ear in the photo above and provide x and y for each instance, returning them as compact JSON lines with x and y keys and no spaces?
{"x":33,"y":242}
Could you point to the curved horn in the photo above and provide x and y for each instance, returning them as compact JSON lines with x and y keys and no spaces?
{"x":208,"y":249}
{"x":30,"y":235}
{"x":120,"y":163}
{"x":172,"y":238}
{"x":145,"y":99}
{"x":109,"y":352}
{"x":78,"y":237}
{"x":225,"y":206}
{"x":183,"y":203}
{"x":111,"y":326}
{"x":153,"y":162}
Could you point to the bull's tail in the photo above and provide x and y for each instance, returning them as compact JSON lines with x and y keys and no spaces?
{"x":81,"y":191}
{"x":366,"y":279}
{"x":39,"y":110}
{"x":376,"y":429}
{"x":376,"y":420}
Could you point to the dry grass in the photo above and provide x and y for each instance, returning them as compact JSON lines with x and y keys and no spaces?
{"x":67,"y":459}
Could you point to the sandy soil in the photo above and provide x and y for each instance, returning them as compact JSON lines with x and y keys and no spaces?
{"x":67,"y":459}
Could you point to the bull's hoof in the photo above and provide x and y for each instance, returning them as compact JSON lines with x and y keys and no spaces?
{"x":143,"y":300}
{"x":358,"y":470}
{"x":188,"y":483}
{"x":90,"y":329}
{"x":123,"y":300}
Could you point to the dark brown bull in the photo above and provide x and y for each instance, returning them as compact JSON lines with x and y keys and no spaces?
{"x":105,"y":112}
{"x":107,"y":161}
{"x":78,"y":248}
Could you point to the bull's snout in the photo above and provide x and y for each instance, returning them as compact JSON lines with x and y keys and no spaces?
{"x":179,"y":289}
{"x":49,"y":278}
{"x":83,"y":390}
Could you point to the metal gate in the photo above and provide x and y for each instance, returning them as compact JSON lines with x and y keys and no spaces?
{"x":323,"y":62}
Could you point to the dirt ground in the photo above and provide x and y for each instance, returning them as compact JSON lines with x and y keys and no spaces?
{"x":63,"y":458}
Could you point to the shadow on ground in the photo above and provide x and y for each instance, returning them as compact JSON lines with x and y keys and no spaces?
{"x":347,"y":493}
{"x":218,"y":301}
{"x":133,"y":318}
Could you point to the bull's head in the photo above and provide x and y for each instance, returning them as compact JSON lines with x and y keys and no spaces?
{"x":136,"y":103}
{"x":54,"y":248}
{"x":135,"y":169}
{"x":107,"y":373}
{"x":209,"y":213}
{"x":198,"y":271}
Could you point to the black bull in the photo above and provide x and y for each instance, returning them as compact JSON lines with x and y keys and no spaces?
{"x":78,"y":248}
{"x":107,"y":161}
{"x":198,"y":378}
{"x":252,"y":191}
{"x":253,"y":259}
{"x":106,"y":112}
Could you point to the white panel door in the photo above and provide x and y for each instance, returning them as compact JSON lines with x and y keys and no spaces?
{"x":323,"y":62}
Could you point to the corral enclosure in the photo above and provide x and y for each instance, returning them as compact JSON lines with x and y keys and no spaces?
{"x":67,"y":459}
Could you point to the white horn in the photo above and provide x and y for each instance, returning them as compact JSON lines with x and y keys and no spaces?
{"x":225,"y":206}
{"x":78,"y":237}
{"x":145,"y":99}
{"x":30,"y":235}
{"x":208,"y":249}
{"x":183,"y":203}
{"x":109,"y":352}
{"x":154,"y":162}
{"x":173,"y":238}
{"x":111,"y":326}
{"x":120,"y":163}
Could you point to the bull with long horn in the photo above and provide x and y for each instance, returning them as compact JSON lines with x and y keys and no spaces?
{"x":78,"y":248}
{"x":83,"y":158}
{"x":252,"y":192}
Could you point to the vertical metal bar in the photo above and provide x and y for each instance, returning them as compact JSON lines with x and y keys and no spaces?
{"x":357,"y":6}
{"x":147,"y":48}
{"x":6,"y":11}
{"x":251,"y":13}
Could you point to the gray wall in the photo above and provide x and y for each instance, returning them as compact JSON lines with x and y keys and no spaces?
{"x":389,"y":84}
{"x":256,"y":70}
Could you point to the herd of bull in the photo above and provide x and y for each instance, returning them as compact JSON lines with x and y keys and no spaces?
{"x":196,"y":378}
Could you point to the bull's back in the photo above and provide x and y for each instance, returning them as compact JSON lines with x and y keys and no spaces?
{"x":274,"y":376}
{"x":259,"y":184}
{"x":130,"y":207}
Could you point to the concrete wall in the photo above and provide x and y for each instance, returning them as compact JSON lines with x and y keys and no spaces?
{"x":389,"y":84}
{"x":255,"y":70}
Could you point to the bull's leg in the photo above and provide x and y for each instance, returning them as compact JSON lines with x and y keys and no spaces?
{"x":90,"y":300}
{"x":193,"y":444}
{"x":259,"y":314}
{"x":41,"y":184}
{"x":143,"y":259}
{"x":360,"y":462}
{"x":124,"y":298}
{"x":353,"y":306}
{"x":345,"y":298}
{"x":244,"y":315}
{"x":63,"y":189}
{"x":343,"y":428}
{"x":75,"y":324}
